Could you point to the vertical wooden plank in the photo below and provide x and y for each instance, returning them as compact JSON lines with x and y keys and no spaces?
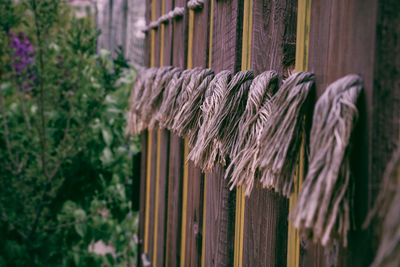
{"x":302,"y":44}
{"x":162,"y":154}
{"x":342,"y":42}
{"x":197,"y":57}
{"x":142,"y":203}
{"x":163,"y":151}
{"x":209,"y":64}
{"x":220,"y":202}
{"x":358,"y":37}
{"x":151,"y":161}
{"x":271,"y":45}
{"x":150,"y":194}
{"x":175,"y":181}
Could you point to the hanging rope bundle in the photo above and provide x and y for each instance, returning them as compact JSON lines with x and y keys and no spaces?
{"x":181,"y":97}
{"x":205,"y":154}
{"x":323,"y":207}
{"x":283,"y":132}
{"x":198,"y":83}
{"x":224,"y":124}
{"x":158,"y":94}
{"x":387,"y":209}
{"x":144,"y":109}
{"x":242,"y":168}
{"x":135,"y":123}
{"x":188,"y":121}
{"x":165,"y":114}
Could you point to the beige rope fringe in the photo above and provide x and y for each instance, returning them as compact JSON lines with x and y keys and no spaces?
{"x":282,"y":136}
{"x":323,"y":207}
{"x":158,"y":94}
{"x":188,"y":120}
{"x":387,"y":210}
{"x":224,"y":124}
{"x":168,"y":103}
{"x":242,"y":168}
{"x":203,"y":154}
{"x":185,"y":100}
{"x":144,"y":109}
{"x":135,"y":124}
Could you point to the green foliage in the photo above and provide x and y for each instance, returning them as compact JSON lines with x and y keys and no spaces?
{"x":65,"y":160}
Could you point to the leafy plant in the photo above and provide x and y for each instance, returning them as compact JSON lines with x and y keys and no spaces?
{"x":65,"y":162}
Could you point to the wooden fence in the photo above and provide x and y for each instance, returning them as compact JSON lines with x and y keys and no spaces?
{"x":188,"y":218}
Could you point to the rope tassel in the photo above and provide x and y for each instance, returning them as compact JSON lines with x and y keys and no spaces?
{"x":282,"y":136}
{"x":165,"y":114}
{"x":135,"y":125}
{"x":189,"y":99}
{"x":323,"y":207}
{"x":224,"y":124}
{"x":205,"y":154}
{"x":189,"y":120}
{"x":242,"y":168}
{"x":158,"y":94}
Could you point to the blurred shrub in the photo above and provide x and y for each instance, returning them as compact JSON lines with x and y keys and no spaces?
{"x":65,"y":161}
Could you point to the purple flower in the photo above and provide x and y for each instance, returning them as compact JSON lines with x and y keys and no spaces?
{"x":23,"y":52}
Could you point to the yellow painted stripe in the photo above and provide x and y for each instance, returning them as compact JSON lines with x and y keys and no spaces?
{"x":186,"y":151}
{"x":303,"y":32}
{"x":247,"y":29}
{"x":240,"y":195}
{"x":184,"y":202}
{"x":155,"y":243}
{"x":302,"y":44}
{"x":147,"y":208}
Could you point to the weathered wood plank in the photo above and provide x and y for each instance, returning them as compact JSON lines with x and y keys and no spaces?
{"x":175,"y":182}
{"x":152,"y":203}
{"x":358,"y":37}
{"x":163,"y":157}
{"x":265,"y":218}
{"x":273,"y":45}
{"x":143,"y":164}
{"x":194,"y":222}
{"x":220,"y":202}
{"x":220,"y":220}
{"x":227,"y":37}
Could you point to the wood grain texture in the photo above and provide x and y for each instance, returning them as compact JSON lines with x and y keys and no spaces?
{"x":174,"y":201}
{"x":226,"y":39}
{"x":164,"y":156}
{"x":162,"y":197}
{"x":359,"y":37}
{"x":194,"y":221}
{"x":220,"y":220}
{"x":152,"y":203}
{"x":179,"y":40}
{"x":220,"y":217}
{"x":168,"y":27}
{"x":266,"y":213}
{"x":175,"y":182}
{"x":265,"y":228}
{"x":342,"y":42}
{"x":273,"y":35}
